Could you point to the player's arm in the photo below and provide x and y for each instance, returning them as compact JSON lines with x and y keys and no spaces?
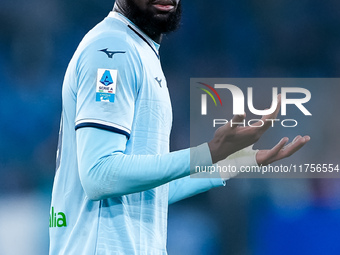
{"x":186,"y":187}
{"x":200,"y":182}
{"x":105,"y":171}
{"x":190,"y":186}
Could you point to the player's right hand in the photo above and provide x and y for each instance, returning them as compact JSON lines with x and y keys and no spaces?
{"x":232,"y":137}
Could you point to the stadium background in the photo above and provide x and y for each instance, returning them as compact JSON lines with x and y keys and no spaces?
{"x":246,"y":38}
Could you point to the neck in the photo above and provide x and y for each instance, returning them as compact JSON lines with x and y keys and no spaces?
{"x":124,"y":10}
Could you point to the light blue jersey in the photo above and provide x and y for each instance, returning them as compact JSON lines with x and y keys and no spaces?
{"x":115,"y":175}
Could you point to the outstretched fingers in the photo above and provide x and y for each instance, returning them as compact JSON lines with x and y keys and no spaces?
{"x":281,"y":150}
{"x":295,"y":145}
{"x":278,"y":147}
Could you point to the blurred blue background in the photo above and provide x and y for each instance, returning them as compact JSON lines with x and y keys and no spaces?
{"x":245,"y":38}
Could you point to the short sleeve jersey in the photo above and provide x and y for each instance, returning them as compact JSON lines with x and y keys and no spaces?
{"x":113,"y":82}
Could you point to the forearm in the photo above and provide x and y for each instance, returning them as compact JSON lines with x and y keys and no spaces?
{"x":121,"y":174}
{"x":204,"y":181}
{"x":236,"y":161}
{"x":105,"y":171}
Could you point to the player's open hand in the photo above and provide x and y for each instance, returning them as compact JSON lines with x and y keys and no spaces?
{"x":231,"y":137}
{"x":281,"y":150}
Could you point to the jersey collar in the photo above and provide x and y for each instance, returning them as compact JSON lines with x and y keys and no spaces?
{"x":155,"y":46}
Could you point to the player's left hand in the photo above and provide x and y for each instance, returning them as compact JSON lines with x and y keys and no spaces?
{"x":281,"y":150}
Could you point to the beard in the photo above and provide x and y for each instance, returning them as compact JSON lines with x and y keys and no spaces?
{"x":154,"y":24}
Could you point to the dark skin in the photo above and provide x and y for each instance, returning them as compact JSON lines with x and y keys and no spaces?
{"x":229,"y":139}
{"x":148,"y":15}
{"x":157,"y":11}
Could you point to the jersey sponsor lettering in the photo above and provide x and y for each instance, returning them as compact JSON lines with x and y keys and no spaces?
{"x":57,"y":219}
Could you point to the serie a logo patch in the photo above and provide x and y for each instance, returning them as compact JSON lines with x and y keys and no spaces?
{"x":106,"y":85}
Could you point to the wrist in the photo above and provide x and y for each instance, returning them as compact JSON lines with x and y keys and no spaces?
{"x":214,"y":152}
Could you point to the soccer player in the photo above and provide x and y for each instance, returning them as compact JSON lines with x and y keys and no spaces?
{"x":115,"y":175}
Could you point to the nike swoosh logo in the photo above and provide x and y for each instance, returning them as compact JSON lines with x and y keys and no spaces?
{"x":111,"y":53}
